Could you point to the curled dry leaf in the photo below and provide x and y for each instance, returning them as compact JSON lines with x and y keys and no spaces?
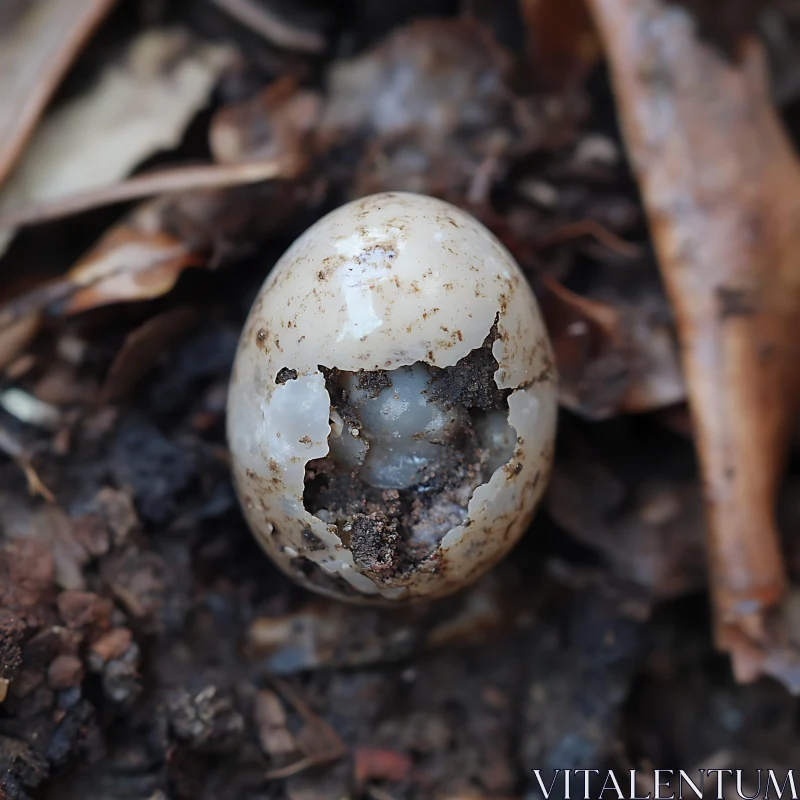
{"x":141,"y":104}
{"x":142,"y":256}
{"x":721,"y":186}
{"x":36,"y":50}
{"x":143,"y":348}
{"x":134,"y":260}
{"x":611,"y":358}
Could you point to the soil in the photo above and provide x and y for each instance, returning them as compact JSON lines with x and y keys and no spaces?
{"x":470,"y":383}
{"x":377,"y":524}
{"x":150,"y":650}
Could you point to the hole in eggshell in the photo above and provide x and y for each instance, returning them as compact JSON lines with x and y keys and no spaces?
{"x":285,"y":374}
{"x":408,"y":448}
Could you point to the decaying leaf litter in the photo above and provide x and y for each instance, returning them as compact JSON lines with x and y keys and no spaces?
{"x":147,"y":648}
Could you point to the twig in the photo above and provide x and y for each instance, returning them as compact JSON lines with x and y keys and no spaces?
{"x":177,"y":179}
{"x":589,"y":227}
{"x":332,"y":748}
{"x":34,"y":56}
{"x":14,"y":449}
{"x":272,"y":27}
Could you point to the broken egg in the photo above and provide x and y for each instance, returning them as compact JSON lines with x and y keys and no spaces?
{"x":392,"y":407}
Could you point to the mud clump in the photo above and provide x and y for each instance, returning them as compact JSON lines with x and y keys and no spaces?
{"x":375,"y":542}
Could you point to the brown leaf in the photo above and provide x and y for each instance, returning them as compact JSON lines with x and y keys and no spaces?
{"x":143,"y":348}
{"x":142,"y":256}
{"x":721,"y":186}
{"x":16,"y":336}
{"x":140,"y":103}
{"x":610,"y":359}
{"x":35,"y":53}
{"x":316,"y":738}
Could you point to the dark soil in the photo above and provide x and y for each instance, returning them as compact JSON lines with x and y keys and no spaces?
{"x":150,"y":650}
{"x":470,"y":383}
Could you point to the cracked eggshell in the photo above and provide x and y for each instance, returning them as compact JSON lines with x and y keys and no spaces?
{"x":381,"y":283}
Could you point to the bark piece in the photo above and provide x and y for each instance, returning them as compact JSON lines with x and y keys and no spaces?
{"x":721,"y":186}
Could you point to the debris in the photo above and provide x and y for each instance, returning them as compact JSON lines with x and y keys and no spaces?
{"x":611,"y":358}
{"x":275,"y":125}
{"x":37,"y":49}
{"x":26,"y":580}
{"x":141,"y":104}
{"x":721,"y":184}
{"x":176,"y":179}
{"x":155,"y":469}
{"x":206,"y":721}
{"x":136,"y":579}
{"x":578,"y":678}
{"x":317,"y":739}
{"x":273,"y":734}
{"x":372,"y":763}
{"x":15,"y":337}
{"x":64,"y":672}
{"x":81,"y":609}
{"x":117,"y":511}
{"x":31,"y":410}
{"x":113,"y":644}
{"x":644,"y":516}
{"x":143,"y":348}
{"x":273,"y":28}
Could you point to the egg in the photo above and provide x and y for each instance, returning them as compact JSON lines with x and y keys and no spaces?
{"x":392,"y":405}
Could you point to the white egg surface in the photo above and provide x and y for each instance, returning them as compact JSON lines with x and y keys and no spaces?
{"x":392,"y":407}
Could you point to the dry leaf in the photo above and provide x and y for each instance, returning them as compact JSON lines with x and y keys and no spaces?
{"x":135,"y":260}
{"x":35,"y":53}
{"x":143,"y":348}
{"x":17,"y":335}
{"x":141,"y":104}
{"x":721,"y":185}
{"x":172,"y":180}
{"x":611,"y":358}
